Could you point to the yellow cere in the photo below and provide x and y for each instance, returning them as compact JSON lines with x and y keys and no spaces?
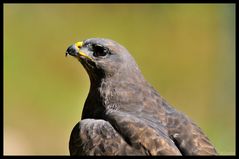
{"x":79,"y":44}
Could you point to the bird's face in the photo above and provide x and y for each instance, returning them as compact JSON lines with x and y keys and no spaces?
{"x":100,"y":57}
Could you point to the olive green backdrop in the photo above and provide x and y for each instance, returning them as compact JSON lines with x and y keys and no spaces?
{"x":187,"y":52}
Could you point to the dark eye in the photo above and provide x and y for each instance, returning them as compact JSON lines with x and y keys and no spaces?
{"x":99,"y":51}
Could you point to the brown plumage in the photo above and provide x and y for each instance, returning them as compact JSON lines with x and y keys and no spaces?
{"x":123,"y":114}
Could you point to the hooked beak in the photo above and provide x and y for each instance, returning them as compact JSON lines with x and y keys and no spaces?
{"x":74,"y":50}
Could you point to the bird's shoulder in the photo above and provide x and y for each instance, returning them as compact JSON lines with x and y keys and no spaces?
{"x":98,"y":137}
{"x":139,"y":132}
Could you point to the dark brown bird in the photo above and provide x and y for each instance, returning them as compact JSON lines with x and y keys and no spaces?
{"x":123,"y":114}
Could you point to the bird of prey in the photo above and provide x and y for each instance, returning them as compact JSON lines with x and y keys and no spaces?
{"x":123,"y":114}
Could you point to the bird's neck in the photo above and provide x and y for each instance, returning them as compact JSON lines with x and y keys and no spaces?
{"x":109,"y":90}
{"x":121,"y":89}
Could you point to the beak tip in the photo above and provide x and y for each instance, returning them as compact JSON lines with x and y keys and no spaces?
{"x":71,"y":50}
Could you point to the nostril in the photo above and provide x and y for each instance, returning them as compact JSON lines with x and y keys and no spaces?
{"x":79,"y":44}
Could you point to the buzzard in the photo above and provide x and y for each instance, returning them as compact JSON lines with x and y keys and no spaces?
{"x":123,"y":114}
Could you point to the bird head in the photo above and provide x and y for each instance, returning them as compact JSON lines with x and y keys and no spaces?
{"x":103,"y":58}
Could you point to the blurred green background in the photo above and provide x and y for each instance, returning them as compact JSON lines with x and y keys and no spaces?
{"x":187,"y":52}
